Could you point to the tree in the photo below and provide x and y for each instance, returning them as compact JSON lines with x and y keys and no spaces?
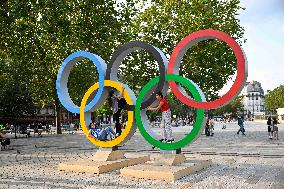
{"x":16,"y":102}
{"x":178,"y":108}
{"x":234,"y":108}
{"x":38,"y":35}
{"x":275,"y":99}
{"x":164,"y":23}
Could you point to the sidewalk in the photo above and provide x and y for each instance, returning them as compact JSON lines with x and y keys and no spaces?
{"x":251,"y":161}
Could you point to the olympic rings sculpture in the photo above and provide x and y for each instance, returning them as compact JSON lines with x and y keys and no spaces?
{"x":136,"y":107}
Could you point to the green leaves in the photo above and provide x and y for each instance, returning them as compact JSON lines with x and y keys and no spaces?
{"x":36,"y":36}
{"x":164,"y":23}
{"x":15,"y":101}
{"x":234,"y":108}
{"x":275,"y":98}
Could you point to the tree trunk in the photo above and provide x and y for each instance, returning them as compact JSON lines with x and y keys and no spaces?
{"x":58,"y":117}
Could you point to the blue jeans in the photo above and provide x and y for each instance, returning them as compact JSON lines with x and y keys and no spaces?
{"x":242,"y":129}
{"x":105,"y":133}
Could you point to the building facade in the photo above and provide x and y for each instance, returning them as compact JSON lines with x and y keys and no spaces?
{"x":253,"y":99}
{"x":47,"y":113}
{"x":280,"y":113}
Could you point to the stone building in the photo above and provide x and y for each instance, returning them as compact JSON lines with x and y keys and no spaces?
{"x":253,"y":99}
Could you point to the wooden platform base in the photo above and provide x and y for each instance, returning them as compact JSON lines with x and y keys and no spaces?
{"x":101,"y":163}
{"x":166,"y":172}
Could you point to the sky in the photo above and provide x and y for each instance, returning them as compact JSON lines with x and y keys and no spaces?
{"x":263,"y":21}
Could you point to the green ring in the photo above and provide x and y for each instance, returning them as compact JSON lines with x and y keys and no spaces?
{"x":197,"y":125}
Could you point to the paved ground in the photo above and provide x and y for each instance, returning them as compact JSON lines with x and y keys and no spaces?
{"x":251,"y":161}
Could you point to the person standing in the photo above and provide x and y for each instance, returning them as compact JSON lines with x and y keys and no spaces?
{"x":3,"y":140}
{"x":166,"y":117}
{"x":211,"y":123}
{"x":275,"y":129}
{"x":117,"y":103}
{"x":269,"y":128}
{"x":223,"y":121}
{"x":207,"y":128}
{"x":241,"y":124}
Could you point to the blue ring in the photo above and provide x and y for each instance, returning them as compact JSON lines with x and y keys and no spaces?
{"x":63,"y":74}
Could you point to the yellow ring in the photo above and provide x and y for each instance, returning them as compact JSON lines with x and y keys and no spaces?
{"x":124,"y":134}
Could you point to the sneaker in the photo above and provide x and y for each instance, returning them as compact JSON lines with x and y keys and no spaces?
{"x":161,"y":140}
{"x":172,"y":140}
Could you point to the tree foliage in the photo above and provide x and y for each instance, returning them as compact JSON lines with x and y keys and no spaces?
{"x":16,"y":101}
{"x":36,"y":36}
{"x":275,"y":98}
{"x":234,"y":108}
{"x":210,"y":63}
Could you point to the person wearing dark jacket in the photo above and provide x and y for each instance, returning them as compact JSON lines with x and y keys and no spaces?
{"x":241,"y":124}
{"x":269,"y":128}
{"x":117,"y":104}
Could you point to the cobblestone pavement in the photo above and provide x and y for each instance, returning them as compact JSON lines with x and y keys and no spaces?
{"x":251,"y":161}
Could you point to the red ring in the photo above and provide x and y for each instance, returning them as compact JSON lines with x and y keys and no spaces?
{"x":241,"y":68}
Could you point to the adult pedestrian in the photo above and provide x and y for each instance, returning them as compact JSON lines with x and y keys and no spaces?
{"x":166,"y":117}
{"x":241,"y":125}
{"x":117,"y":103}
{"x":223,"y":122}
{"x":207,"y":128}
{"x":211,"y":126}
{"x":269,"y":128}
{"x":275,"y":128}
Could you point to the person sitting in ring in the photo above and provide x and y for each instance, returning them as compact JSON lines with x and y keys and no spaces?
{"x":101,"y":134}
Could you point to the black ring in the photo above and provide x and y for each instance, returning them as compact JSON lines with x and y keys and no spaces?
{"x":126,"y":49}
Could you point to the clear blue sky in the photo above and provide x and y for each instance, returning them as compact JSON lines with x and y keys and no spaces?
{"x":263,"y":21}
